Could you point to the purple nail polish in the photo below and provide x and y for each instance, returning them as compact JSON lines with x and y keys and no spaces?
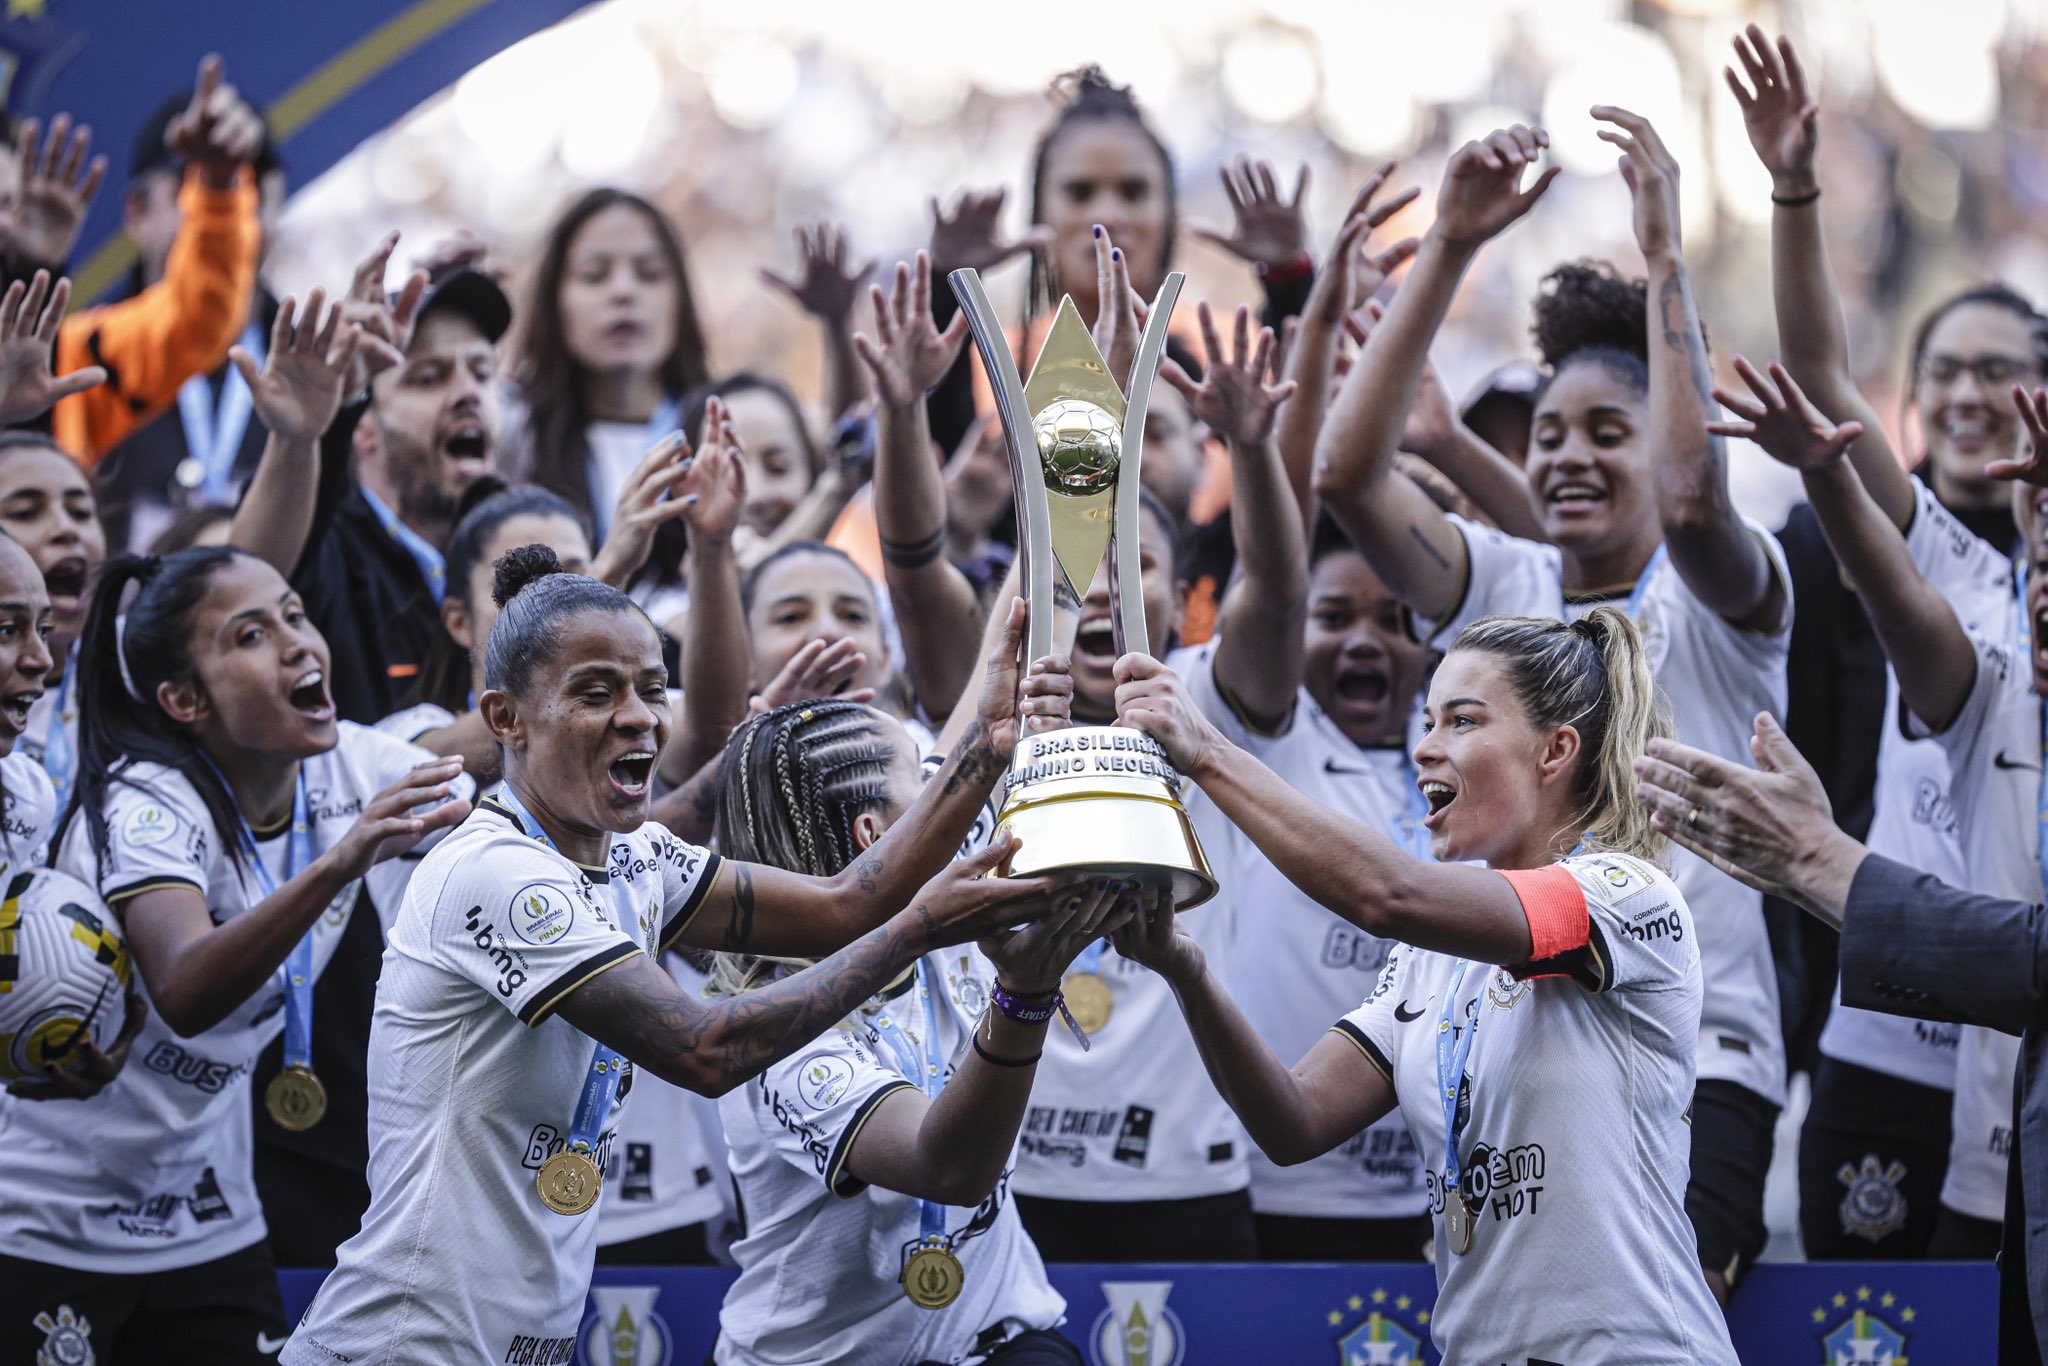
{"x":1098,"y":229}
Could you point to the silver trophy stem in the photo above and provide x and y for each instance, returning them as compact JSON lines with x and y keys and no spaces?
{"x":1034,"y":547}
{"x":1126,"y":577}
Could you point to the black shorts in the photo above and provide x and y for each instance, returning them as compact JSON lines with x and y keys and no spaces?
{"x":1299,"y":1238}
{"x":1731,"y":1153}
{"x":1872,"y":1155}
{"x":1210,"y":1228}
{"x":219,"y":1313}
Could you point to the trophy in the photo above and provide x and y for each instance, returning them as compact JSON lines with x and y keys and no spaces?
{"x":1101,"y":801}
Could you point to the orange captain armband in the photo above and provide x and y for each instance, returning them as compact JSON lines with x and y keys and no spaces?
{"x":1556,"y":906}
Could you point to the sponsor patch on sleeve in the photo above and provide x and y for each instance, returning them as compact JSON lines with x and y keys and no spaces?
{"x":541,"y":913}
{"x":150,"y":823}
{"x":822,"y":1080}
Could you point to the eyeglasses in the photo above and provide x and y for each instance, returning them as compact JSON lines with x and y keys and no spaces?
{"x":1992,"y":371}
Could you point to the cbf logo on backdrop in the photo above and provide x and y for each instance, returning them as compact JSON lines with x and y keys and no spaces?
{"x":1864,"y":1328}
{"x":1137,"y":1329}
{"x":1391,"y":1333}
{"x":625,"y":1330}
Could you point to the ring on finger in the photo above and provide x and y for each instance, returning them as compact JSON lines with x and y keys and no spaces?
{"x":1692,"y":818}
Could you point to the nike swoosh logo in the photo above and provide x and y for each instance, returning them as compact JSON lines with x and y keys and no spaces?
{"x":1404,"y":1014}
{"x":1999,"y":760}
{"x":1332,"y":766}
{"x":269,"y":1345}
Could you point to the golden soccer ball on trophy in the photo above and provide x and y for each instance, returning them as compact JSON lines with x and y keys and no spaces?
{"x":1080,"y":445}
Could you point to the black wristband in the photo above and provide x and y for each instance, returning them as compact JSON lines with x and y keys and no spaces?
{"x":914,"y":554}
{"x":994,"y":1061}
{"x":1795,"y":201}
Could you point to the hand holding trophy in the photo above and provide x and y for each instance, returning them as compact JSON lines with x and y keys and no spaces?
{"x":1100,"y":801}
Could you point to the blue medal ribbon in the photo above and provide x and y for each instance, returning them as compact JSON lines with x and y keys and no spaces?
{"x":2024,"y":629}
{"x":666,"y":419}
{"x":920,"y":1064}
{"x":433,"y":567}
{"x":1453,"y":1051}
{"x":601,"y":1086}
{"x":59,"y":758}
{"x":298,"y":964}
{"x":213,"y":435}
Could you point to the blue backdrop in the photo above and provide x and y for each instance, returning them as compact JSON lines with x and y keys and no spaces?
{"x":1808,"y":1314}
{"x":327,"y":73}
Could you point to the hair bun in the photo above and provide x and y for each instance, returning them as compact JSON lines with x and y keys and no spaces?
{"x":1089,"y":87}
{"x":519,"y":567}
{"x":1584,"y":305}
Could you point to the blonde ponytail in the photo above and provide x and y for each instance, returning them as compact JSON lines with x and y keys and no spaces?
{"x":1594,"y":676}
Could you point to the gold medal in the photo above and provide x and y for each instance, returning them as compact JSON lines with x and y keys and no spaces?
{"x":1457,"y":1222}
{"x":1088,"y":1001}
{"x":932,"y":1277}
{"x":295,"y":1099}
{"x":568,"y":1182}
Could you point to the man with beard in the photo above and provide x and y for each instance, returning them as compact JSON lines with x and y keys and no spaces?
{"x":371,"y":574}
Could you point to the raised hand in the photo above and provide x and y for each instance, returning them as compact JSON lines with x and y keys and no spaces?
{"x":1780,"y":116}
{"x":713,"y":487}
{"x":1233,"y":397}
{"x":1481,"y":194}
{"x":824,"y":286}
{"x":965,"y":903}
{"x":1352,"y":274}
{"x":1042,"y":699}
{"x":2033,"y":467}
{"x":28,"y":340}
{"x":1033,"y":960}
{"x":1152,"y":698}
{"x":1651,"y":173}
{"x":1778,"y":417}
{"x":459,"y":250}
{"x":385,"y":323}
{"x":1266,"y":228}
{"x":908,"y":355}
{"x":57,"y":186}
{"x":971,"y":235}
{"x":816,"y":670}
{"x":299,"y":389}
{"x":1119,"y":312}
{"x":391,"y":823}
{"x":89,"y":1075}
{"x":217,"y":132}
{"x":1154,"y":938}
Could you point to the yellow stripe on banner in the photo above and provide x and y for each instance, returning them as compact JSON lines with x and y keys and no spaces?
{"x":342,"y":74}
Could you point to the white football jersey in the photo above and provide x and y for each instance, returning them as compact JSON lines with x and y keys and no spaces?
{"x":1995,"y":752}
{"x":28,"y":811}
{"x":1295,"y":965}
{"x":667,"y":1165}
{"x":474,"y":1084}
{"x":1136,"y":1117}
{"x":167,"y":1181}
{"x":1914,"y":820}
{"x":1578,"y":1087}
{"x":823,"y":1254}
{"x":1715,"y":679}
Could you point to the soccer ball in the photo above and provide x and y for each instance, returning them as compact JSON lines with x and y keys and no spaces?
{"x":1079,"y":444}
{"x":64,"y":972}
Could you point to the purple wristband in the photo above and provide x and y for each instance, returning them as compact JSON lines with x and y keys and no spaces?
{"x":1018,"y":1011}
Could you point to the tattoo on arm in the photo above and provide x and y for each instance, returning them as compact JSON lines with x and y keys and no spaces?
{"x":1678,"y":316}
{"x":972,"y":761}
{"x":866,"y":870}
{"x":739,"y":929}
{"x":1429,"y":546}
{"x":639,"y":1010}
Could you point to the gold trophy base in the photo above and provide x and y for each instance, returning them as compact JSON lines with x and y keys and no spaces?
{"x":1102,"y":801}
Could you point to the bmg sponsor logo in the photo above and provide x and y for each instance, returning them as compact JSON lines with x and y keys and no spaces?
{"x":1137,"y":1329}
{"x":623,"y":1329}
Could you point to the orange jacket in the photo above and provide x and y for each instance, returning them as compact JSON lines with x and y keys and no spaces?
{"x":179,"y":327}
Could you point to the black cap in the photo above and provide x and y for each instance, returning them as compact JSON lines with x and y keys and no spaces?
{"x":150,"y":154}
{"x":476,"y":296}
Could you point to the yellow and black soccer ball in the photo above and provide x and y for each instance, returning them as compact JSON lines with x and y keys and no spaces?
{"x":64,"y":972}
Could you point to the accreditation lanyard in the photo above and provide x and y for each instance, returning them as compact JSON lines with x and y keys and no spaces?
{"x":920,"y":1063}
{"x":433,"y":566}
{"x":298,"y":964}
{"x":59,"y":758}
{"x":213,"y":433}
{"x":666,"y":415}
{"x":2024,"y":630}
{"x":1635,"y":594}
{"x":1453,"y":1051}
{"x":1414,"y":834}
{"x":601,"y":1085}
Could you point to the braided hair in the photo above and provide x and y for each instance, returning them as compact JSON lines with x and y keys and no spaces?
{"x":796,"y":780}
